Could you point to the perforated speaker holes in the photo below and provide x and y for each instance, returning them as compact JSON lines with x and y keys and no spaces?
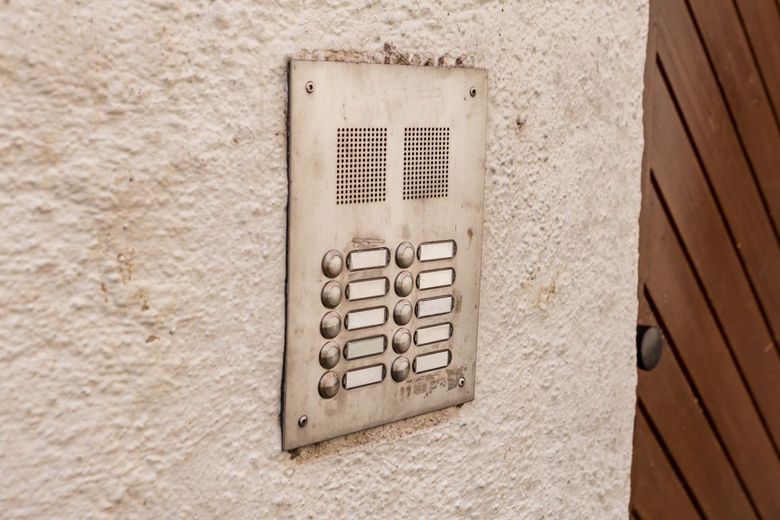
{"x":426,"y":162}
{"x":361,"y":165}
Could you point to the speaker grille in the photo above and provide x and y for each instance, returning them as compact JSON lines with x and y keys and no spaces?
{"x":361,"y":165}
{"x":426,"y":162}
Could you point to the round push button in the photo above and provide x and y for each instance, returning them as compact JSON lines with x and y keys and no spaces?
{"x":330,"y":354}
{"x":332,"y":263}
{"x":649,"y":346}
{"x":402,"y":340}
{"x":330,"y":326}
{"x":404,"y":283}
{"x":400,"y":369}
{"x":402,"y":312}
{"x":404,"y":255}
{"x":329,"y":384}
{"x":331,"y":295}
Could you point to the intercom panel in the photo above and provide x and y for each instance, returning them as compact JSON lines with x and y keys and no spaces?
{"x":386,"y":182}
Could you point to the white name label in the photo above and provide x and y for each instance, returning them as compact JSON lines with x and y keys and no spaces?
{"x":432,"y":361}
{"x":362,"y":289}
{"x":364,"y":347}
{"x":366,"y":318}
{"x":434,"y":306}
{"x":436,"y":250}
{"x":434,"y":334}
{"x":433,"y":279}
{"x":368,"y":259}
{"x":364,"y":376}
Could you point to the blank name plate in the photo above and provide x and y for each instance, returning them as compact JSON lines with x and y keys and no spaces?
{"x":386,"y":179}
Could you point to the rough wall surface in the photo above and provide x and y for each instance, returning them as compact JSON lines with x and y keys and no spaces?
{"x":142,"y":262}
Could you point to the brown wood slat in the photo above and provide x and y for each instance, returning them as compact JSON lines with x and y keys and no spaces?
{"x":705,"y":113}
{"x":696,"y":215}
{"x":739,"y":78}
{"x":762,"y":23}
{"x":656,"y":490}
{"x":672,"y":407}
{"x":688,"y":321}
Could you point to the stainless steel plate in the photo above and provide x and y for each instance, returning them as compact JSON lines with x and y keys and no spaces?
{"x":387,"y":166}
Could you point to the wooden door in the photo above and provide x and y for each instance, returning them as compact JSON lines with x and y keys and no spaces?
{"x":707,"y":427}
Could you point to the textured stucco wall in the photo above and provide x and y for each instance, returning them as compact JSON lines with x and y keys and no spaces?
{"x":142,"y":248}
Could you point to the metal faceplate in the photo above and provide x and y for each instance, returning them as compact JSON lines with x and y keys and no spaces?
{"x":387,"y":166}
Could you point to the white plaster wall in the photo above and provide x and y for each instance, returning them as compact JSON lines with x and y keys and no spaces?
{"x":142,"y":262}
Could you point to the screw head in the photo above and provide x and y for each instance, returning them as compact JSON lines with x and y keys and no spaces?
{"x":473,"y":91}
{"x":302,"y":420}
{"x":462,"y":382}
{"x":309,"y":87}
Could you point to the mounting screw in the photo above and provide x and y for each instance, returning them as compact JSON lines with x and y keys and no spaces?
{"x":461,"y":382}
{"x":302,"y":420}
{"x":472,"y":91}
{"x":309,"y":87}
